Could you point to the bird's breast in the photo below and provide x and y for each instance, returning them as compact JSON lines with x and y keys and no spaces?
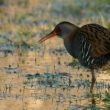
{"x":73,"y":47}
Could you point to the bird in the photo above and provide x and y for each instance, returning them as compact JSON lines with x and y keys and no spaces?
{"x":89,"y":44}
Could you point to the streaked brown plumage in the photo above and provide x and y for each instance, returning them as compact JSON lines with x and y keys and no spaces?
{"x":90,"y":44}
{"x":99,"y":37}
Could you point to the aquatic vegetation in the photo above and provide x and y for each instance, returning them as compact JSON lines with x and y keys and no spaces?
{"x":61,"y":80}
{"x":106,"y":100}
{"x":50,"y":80}
{"x":93,"y":107}
{"x":20,"y":18}
{"x":74,"y":64}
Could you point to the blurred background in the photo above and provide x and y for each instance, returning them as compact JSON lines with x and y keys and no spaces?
{"x":35,"y":17}
{"x":45,"y":77}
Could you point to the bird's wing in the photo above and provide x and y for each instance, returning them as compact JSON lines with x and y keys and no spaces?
{"x":99,"y":37}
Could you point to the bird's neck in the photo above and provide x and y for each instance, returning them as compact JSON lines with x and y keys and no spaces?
{"x":70,"y":43}
{"x":70,"y":38}
{"x":68,"y":31}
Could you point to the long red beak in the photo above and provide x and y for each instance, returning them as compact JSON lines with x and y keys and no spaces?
{"x":52,"y":34}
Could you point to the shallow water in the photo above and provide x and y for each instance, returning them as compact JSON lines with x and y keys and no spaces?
{"x":45,"y":80}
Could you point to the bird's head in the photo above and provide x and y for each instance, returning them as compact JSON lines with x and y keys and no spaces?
{"x":62,"y":30}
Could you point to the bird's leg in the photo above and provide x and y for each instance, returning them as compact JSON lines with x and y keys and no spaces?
{"x":93,"y":80}
{"x":92,"y":86}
